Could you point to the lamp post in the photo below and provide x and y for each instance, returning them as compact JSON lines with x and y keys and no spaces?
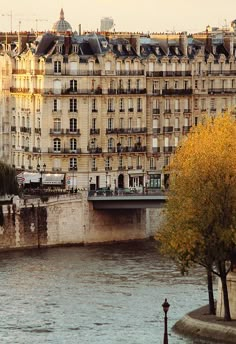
{"x":106,"y":179}
{"x":165,"y":307}
{"x":41,"y":173}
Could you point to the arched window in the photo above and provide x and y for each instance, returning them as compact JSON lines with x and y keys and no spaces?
{"x":57,"y":145}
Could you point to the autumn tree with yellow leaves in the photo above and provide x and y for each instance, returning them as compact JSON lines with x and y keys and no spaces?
{"x":200,"y":216}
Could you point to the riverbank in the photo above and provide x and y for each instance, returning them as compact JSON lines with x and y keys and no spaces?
{"x":200,"y":324}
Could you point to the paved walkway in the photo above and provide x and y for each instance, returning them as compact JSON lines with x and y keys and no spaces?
{"x":199,"y":324}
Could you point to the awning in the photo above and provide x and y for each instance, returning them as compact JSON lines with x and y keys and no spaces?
{"x":136,"y":173}
{"x":52,"y":179}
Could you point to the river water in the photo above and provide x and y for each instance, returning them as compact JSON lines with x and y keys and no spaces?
{"x":108,"y":294}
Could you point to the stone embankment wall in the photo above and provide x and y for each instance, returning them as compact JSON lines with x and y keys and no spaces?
{"x":71,"y":219}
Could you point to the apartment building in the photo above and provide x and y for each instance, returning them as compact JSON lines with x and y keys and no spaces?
{"x":110,"y":110}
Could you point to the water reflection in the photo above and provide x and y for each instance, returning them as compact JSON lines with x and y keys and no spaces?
{"x":97,"y":294}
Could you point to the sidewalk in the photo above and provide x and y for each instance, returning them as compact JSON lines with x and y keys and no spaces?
{"x":199,"y":324}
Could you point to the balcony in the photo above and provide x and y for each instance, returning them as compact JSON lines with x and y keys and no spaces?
{"x":130,"y":72}
{"x":108,"y":168}
{"x":56,"y":169}
{"x":186,"y":128}
{"x":168,"y":149}
{"x":176,"y":129}
{"x":19,"y":90}
{"x":131,"y":109}
{"x":64,"y":151}
{"x":155,"y":150}
{"x":170,"y":92}
{"x":37,"y":130}
{"x":94,"y":131}
{"x":121,"y":168}
{"x":156,"y":130}
{"x":13,"y":128}
{"x":221,"y":90}
{"x":93,"y":150}
{"x":187,"y":110}
{"x":110,"y":110}
{"x":36,"y":150}
{"x":25,"y":130}
{"x":56,"y":131}
{"x":167,"y":129}
{"x":73,"y":168}
{"x":111,"y":150}
{"x":139,"y":167}
{"x":168,"y":73}
{"x":94,"y":169}
{"x":156,"y":111}
{"x":73,"y":131}
{"x":94,"y":110}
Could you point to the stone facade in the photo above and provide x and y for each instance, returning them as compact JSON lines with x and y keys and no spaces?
{"x":71,"y":219}
{"x":109,"y":109}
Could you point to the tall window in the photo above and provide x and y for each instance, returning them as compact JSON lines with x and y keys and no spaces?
{"x":73,"y":144}
{"x":73,"y":163}
{"x":57,"y":66}
{"x":57,"y":124}
{"x":73,"y":124}
{"x":121,"y":104}
{"x":110,"y":123}
{"x":139,"y":104}
{"x":56,"y":104}
{"x":73,"y":85}
{"x":73,"y":105}
{"x":94,"y":107}
{"x":110,"y":144}
{"x":93,"y":163}
{"x":57,"y":145}
{"x":110,"y":105}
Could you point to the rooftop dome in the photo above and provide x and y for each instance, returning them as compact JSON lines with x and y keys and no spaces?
{"x":61,"y":25}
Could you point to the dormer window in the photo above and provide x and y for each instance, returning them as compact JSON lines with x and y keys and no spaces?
{"x":104,"y":44}
{"x":59,"y":48}
{"x":157,"y":50}
{"x":57,"y":66}
{"x":75,"y":48}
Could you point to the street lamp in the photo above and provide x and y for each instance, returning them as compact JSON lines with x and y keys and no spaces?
{"x":106,"y":179}
{"x":165,"y":307}
{"x":41,"y":173}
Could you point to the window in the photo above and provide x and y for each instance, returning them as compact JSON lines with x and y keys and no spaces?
{"x":73,"y":144}
{"x":130,"y":123}
{"x":73,"y":105}
{"x":94,"y":105}
{"x":138,"y":84}
{"x":120,"y":161}
{"x":130,"y":104}
{"x":176,"y":122}
{"x":110,"y":105}
{"x":93,"y":123}
{"x":110,"y":144}
{"x":55,"y":104}
{"x":57,"y":124}
{"x":93,"y":163}
{"x":129,"y":85}
{"x":73,"y":85}
{"x":107,"y":163}
{"x":57,"y":145}
{"x":176,"y":141}
{"x":139,"y":104}
{"x":73,"y":124}
{"x":196,"y":121}
{"x":121,"y":104}
{"x":73,"y":163}
{"x":57,"y":66}
{"x":155,"y":181}
{"x":110,"y":123}
{"x":121,"y":123}
{"x":177,"y":105}
{"x":152,"y":163}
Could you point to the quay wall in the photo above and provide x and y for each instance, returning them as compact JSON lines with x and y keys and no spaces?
{"x":71,"y":219}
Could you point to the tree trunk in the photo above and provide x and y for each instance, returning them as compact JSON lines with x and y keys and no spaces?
{"x":223,"y":278}
{"x":212,"y":309}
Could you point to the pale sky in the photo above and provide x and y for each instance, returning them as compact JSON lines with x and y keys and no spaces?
{"x":129,"y":15}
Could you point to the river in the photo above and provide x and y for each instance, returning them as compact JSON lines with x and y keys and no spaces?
{"x":103,"y":294}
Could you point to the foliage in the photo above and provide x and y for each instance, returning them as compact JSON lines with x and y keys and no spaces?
{"x":8,"y":182}
{"x":200,"y":223}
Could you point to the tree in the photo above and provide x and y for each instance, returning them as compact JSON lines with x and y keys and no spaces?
{"x":8,"y":182}
{"x":200,"y":218}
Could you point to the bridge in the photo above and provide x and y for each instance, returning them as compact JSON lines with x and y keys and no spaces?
{"x":127,"y":201}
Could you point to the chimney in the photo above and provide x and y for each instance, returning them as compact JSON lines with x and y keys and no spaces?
{"x":79,"y":29}
{"x":183,"y":43}
{"x":135,"y":43}
{"x":229,"y":42}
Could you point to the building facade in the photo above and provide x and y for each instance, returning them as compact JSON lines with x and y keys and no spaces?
{"x":109,"y":110}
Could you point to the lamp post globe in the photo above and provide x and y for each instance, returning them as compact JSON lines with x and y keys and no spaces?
{"x":165,"y":307}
